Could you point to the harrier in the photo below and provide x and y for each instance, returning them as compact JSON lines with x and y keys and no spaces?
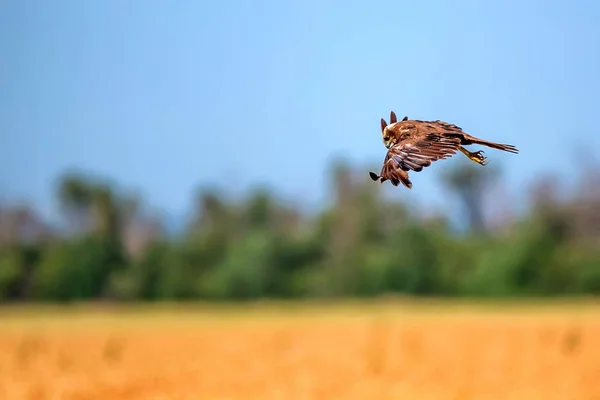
{"x":413,"y":145}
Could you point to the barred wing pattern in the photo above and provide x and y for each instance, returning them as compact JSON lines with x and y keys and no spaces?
{"x":420,"y":154}
{"x":414,"y":156}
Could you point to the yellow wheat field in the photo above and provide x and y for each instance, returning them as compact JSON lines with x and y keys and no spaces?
{"x":376,"y":351}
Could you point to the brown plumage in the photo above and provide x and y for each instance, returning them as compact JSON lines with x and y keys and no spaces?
{"x":414,"y":144}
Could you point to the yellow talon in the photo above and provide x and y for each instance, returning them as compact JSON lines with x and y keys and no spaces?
{"x":477,"y":156}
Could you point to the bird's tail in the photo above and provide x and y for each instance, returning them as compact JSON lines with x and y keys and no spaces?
{"x":505,"y":147}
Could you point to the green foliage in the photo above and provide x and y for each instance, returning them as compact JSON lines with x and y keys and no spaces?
{"x":77,"y":270}
{"x":361,"y":245}
{"x":10,"y":271}
{"x":17,"y":266}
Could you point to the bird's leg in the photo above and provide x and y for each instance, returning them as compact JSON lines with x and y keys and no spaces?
{"x":476,"y":156}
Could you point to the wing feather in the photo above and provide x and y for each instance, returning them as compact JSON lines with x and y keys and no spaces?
{"x":414,"y":156}
{"x":418,"y":155}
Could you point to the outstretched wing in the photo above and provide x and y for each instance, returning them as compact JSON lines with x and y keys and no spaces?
{"x":394,"y":175}
{"x":418,"y":154}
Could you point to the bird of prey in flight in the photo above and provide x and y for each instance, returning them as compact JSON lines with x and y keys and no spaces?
{"x":413,"y":145}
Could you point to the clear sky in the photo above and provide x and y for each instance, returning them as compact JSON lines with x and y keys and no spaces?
{"x":164,"y":96}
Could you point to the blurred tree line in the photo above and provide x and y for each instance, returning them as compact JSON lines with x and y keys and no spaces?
{"x":363,"y":244}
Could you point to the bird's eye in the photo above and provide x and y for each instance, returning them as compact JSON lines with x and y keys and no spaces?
{"x":386,"y":138}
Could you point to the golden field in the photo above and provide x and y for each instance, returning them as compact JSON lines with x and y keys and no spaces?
{"x":378,"y":350}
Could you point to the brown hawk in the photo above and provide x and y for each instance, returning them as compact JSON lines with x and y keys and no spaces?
{"x":413,"y":145}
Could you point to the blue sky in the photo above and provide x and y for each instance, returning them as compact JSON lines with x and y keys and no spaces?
{"x":164,"y":96}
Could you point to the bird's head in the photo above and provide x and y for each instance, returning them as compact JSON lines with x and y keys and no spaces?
{"x":386,"y":134}
{"x":387,"y":137}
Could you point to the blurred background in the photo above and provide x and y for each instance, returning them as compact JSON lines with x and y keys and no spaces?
{"x":182,"y":151}
{"x":170,"y":151}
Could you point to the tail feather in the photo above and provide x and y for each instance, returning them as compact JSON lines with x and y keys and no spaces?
{"x":505,"y":147}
